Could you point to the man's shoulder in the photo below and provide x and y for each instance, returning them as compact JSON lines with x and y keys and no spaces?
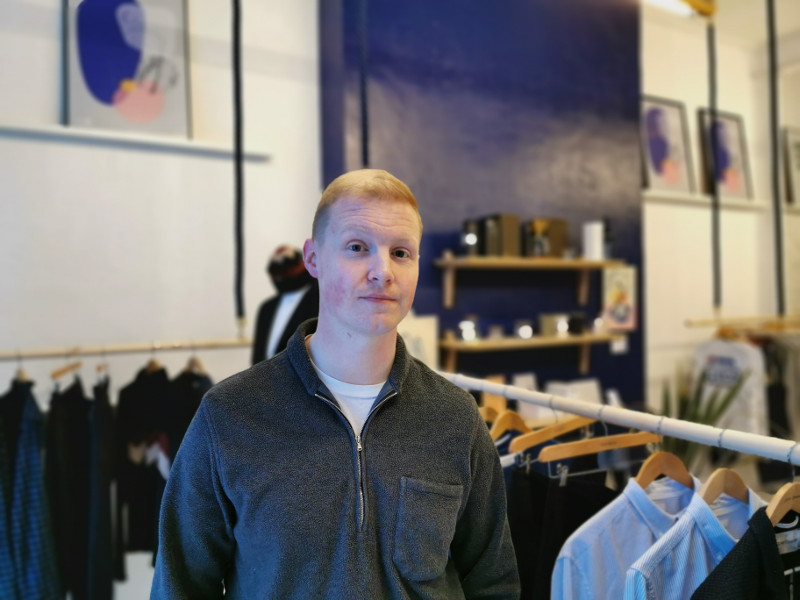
{"x":268,"y":377}
{"x":421,"y":379}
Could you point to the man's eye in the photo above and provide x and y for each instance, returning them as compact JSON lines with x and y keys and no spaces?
{"x":355,"y":247}
{"x":402,"y":253}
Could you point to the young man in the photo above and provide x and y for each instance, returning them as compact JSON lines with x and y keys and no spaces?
{"x":342,"y":467}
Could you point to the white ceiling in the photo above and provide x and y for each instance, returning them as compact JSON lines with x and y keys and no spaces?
{"x":744,"y":22}
{"x":741,"y":23}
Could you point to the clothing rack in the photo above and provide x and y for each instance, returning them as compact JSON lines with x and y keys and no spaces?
{"x":740,"y":441}
{"x":132,"y":348}
{"x":776,"y":321}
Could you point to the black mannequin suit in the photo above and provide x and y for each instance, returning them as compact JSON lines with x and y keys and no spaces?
{"x":307,"y":309}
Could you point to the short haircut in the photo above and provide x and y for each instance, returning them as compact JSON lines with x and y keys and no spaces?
{"x":375,"y":184}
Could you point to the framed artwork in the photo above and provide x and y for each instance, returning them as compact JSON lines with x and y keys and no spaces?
{"x":620,"y":305}
{"x":791,"y":139}
{"x":665,"y":145}
{"x":725,"y":155}
{"x":125,"y":66}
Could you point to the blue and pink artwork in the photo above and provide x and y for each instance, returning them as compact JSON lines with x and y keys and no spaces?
{"x":127,"y":65}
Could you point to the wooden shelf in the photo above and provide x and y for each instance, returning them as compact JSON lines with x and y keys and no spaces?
{"x":452,"y":346}
{"x":451,"y":264}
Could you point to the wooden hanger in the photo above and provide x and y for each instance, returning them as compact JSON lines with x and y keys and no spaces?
{"x":597,"y":444}
{"x":724,"y":481}
{"x":508,"y":420}
{"x":488,"y":413}
{"x":152,"y":366}
{"x":667,"y":464}
{"x":195,"y":365}
{"x":550,"y":432}
{"x":66,"y":370}
{"x":785,"y":499}
{"x":22,"y":375}
{"x":726,"y":332}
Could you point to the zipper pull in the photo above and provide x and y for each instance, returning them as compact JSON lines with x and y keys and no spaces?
{"x":358,"y":443}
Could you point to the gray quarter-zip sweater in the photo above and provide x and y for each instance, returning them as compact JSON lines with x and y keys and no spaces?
{"x":273,"y":495}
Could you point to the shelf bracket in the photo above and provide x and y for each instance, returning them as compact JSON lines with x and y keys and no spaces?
{"x":448,"y":282}
{"x":583,"y":361}
{"x":583,"y":287}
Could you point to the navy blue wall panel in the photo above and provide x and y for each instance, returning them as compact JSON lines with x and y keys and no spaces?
{"x":520,"y":106}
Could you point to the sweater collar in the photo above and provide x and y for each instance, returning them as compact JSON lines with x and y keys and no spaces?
{"x":301,"y":361}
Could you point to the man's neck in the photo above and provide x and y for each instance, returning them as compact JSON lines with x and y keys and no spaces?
{"x":359,"y":360}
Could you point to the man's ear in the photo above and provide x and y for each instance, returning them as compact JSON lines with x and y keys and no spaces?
{"x":310,"y":257}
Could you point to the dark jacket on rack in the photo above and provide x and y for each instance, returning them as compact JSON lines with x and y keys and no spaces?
{"x":752,"y":569}
{"x":68,"y":485}
{"x":142,"y":416}
{"x":27,"y":557}
{"x":273,"y":493}
{"x":101,"y":473}
{"x":188,"y":390}
{"x":307,"y":309}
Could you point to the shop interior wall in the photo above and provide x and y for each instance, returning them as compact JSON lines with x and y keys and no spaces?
{"x":677,"y":228}
{"x":532,"y":110}
{"x":105,"y":244}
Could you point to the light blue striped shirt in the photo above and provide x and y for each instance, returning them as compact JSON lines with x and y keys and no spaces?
{"x":593,"y":561}
{"x":684,"y":556}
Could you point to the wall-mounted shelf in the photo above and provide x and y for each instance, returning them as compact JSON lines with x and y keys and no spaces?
{"x":151,"y":143}
{"x":451,"y":264}
{"x":452,"y":346}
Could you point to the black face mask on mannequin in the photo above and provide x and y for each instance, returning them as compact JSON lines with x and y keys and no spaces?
{"x":287,"y":271}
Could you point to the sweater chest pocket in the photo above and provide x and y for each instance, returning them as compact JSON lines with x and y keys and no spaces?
{"x":426,"y":523}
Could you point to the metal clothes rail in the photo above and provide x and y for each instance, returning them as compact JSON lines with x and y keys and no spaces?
{"x":740,"y":441}
{"x":132,"y":348}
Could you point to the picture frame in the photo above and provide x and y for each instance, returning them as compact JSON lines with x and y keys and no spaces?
{"x":125,"y":66}
{"x":666,"y":154}
{"x":730,"y":166}
{"x":791,"y":142}
{"x":620,"y":303}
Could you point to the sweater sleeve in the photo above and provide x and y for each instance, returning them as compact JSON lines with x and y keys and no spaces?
{"x":482,"y":548}
{"x":195,"y":542}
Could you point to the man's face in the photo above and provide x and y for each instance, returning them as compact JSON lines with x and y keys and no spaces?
{"x":367,"y":263}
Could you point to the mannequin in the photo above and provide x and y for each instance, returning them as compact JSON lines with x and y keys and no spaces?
{"x":296,"y":301}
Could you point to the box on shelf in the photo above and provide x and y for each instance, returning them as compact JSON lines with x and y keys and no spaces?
{"x":500,"y":235}
{"x":544,"y":237}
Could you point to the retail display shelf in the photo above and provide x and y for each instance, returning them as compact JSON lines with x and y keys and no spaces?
{"x":452,"y":346}
{"x":451,"y":263}
{"x":64,"y":134}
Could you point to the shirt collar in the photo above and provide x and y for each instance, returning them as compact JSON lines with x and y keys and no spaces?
{"x":654,"y":516}
{"x":718,"y":540}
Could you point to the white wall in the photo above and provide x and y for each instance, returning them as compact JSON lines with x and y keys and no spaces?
{"x":677,"y":231}
{"x":106,"y":245}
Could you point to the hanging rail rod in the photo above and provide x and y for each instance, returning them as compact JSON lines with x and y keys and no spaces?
{"x":743,"y":321}
{"x":740,"y":441}
{"x":132,"y":348}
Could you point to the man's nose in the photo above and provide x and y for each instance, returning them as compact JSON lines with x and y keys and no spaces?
{"x":381,"y":267}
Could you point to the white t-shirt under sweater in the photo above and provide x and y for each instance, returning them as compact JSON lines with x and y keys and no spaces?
{"x":354,"y":400}
{"x":725,"y":361}
{"x":286,"y":307}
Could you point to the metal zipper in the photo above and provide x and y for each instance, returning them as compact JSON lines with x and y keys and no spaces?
{"x":359,"y":449}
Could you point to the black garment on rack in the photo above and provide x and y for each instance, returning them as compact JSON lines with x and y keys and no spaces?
{"x":188,"y":390}
{"x":566,"y":509}
{"x":101,"y":473}
{"x":67,"y":475}
{"x":142,"y":417}
{"x":754,"y":568}
{"x":28,"y":567}
{"x":542,"y":515}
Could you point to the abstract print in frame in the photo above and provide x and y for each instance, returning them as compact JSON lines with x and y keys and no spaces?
{"x":725,"y":154}
{"x":665,"y":145}
{"x":126,"y":66}
{"x":791,"y":139}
